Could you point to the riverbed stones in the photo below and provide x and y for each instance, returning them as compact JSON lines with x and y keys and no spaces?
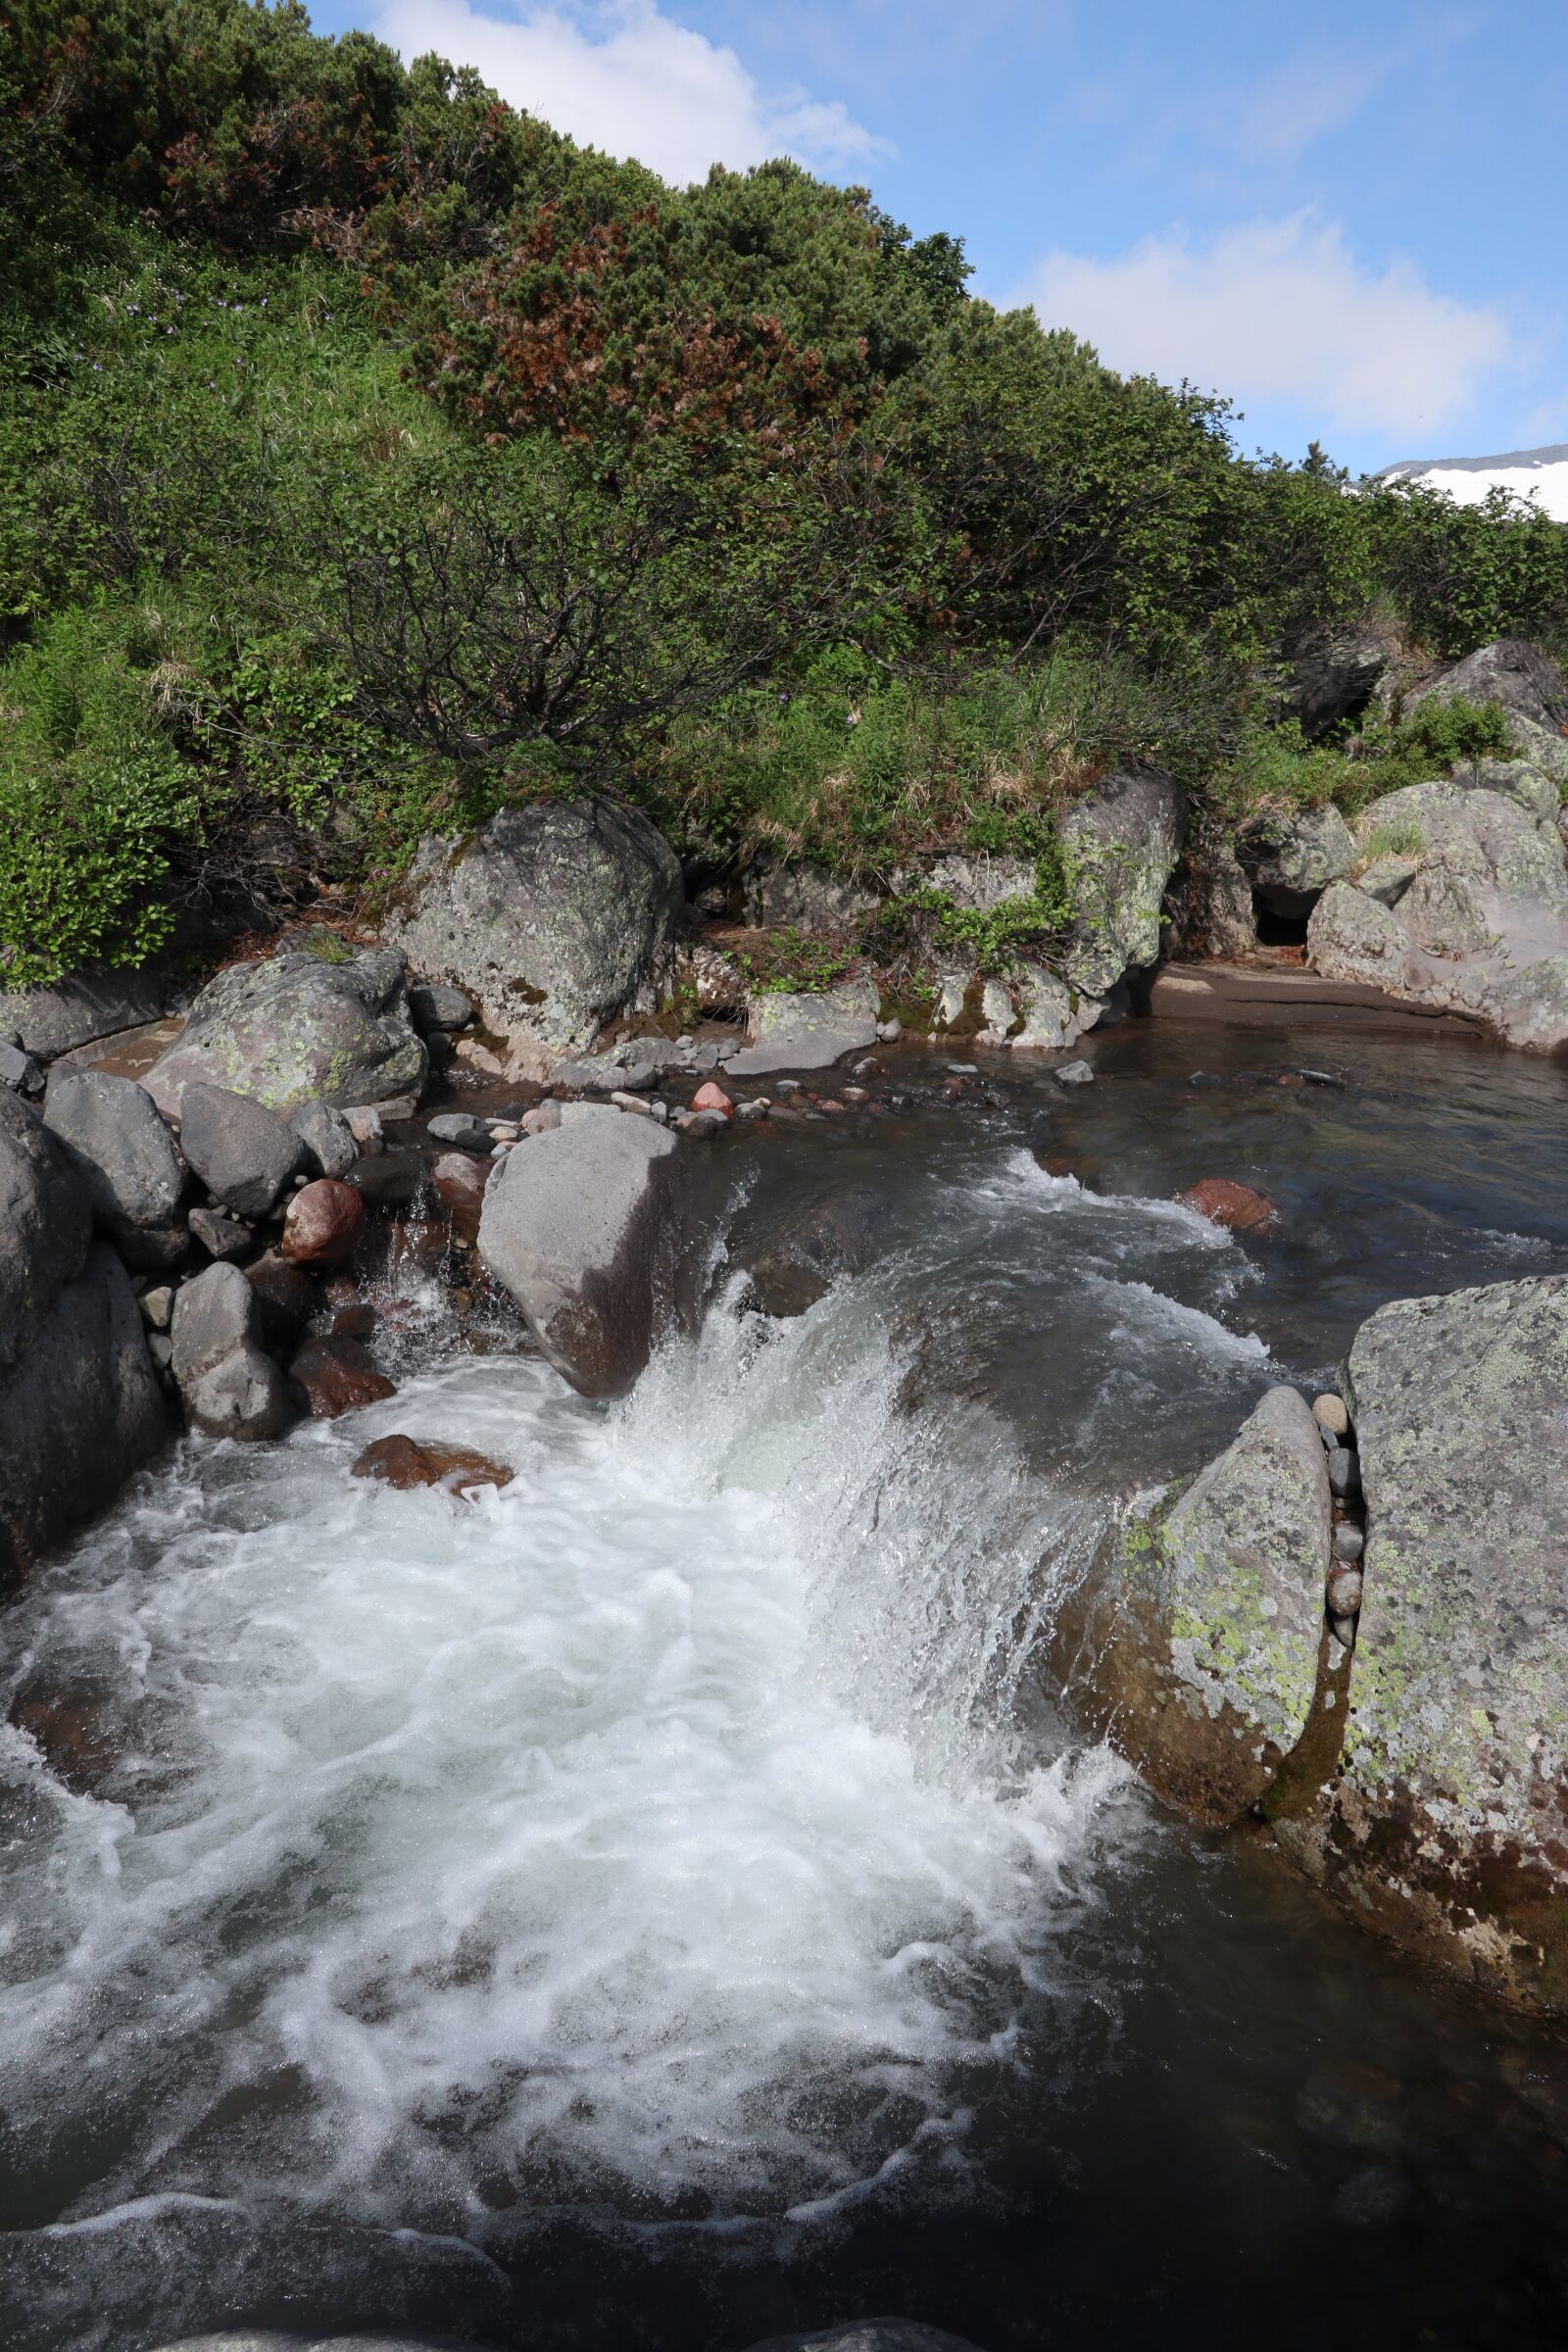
{"x":330,"y":1146}
{"x":294,"y":1028}
{"x":125,"y":1157}
{"x":1448,"y":1826}
{"x":80,"y":1410}
{"x":797,"y":1030}
{"x":1121,"y":842}
{"x":550,"y":916}
{"x":229,"y":1385}
{"x":335,"y":1375}
{"x":461,"y":1130}
{"x":1194,"y":1639}
{"x":407,"y":1462}
{"x":322,"y":1224}
{"x":579,"y":1228}
{"x":242,"y":1151}
{"x":1236,"y":1206}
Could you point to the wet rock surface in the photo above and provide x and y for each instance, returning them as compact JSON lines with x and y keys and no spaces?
{"x":408,"y":1462}
{"x":321,"y":1223}
{"x":1236,"y":1206}
{"x":335,"y":1375}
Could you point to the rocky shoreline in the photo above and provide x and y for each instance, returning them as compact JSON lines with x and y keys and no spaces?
{"x":1349,"y":1633}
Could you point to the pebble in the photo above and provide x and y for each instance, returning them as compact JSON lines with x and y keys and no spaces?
{"x":856,"y":1094}
{"x":888,"y":1032}
{"x":789,"y":1086}
{"x":157,"y":1307}
{"x":1073,"y":1073}
{"x":461,"y":1128}
{"x":1344,"y":1591}
{"x":161,"y":1347}
{"x":1349,"y":1543}
{"x":968,"y":1069}
{"x":624,"y":1102}
{"x":705,"y":1122}
{"x":1345,"y":1472}
{"x":1329,"y":1412}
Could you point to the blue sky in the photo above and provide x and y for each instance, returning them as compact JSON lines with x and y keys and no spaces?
{"x":1348,"y":217}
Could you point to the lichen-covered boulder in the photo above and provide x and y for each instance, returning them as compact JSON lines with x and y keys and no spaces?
{"x":809,"y":897}
{"x":1121,"y":841}
{"x":1510,"y":670}
{"x":1458,"y":900}
{"x":1197,"y":1640}
{"x":799,"y":1030}
{"x":80,"y":1410}
{"x":580,"y":1228}
{"x":294,"y":1027}
{"x":1450,"y":1823}
{"x":1292,"y":860}
{"x":549,"y":916}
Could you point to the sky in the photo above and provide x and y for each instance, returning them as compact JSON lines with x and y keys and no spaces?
{"x":1347,"y":219}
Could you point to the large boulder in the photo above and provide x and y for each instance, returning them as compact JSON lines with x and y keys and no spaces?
{"x":231,"y":1386}
{"x":83,"y":1007}
{"x":1290,"y":861}
{"x":1448,"y":1825}
{"x":1527,"y":682}
{"x":80,"y":1403}
{"x":294,"y":1027}
{"x":1458,"y":900}
{"x":549,"y":916}
{"x":804,"y":1030}
{"x":1197,"y":1638}
{"x":1333,"y":674}
{"x":110,"y":1132}
{"x":1121,"y":842}
{"x":242,"y":1151}
{"x":581,"y":1229}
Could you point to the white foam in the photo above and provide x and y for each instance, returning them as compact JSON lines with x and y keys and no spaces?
{"x":654,"y":1827}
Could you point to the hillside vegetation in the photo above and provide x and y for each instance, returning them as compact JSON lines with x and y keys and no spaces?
{"x":374,"y":455}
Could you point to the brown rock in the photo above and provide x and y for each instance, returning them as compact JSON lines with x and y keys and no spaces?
{"x":356,"y":1322}
{"x":1236,"y":1206}
{"x":322,"y":1223}
{"x":336,"y":1376}
{"x":285,"y":1298}
{"x":72,"y":1731}
{"x":404,"y":1462}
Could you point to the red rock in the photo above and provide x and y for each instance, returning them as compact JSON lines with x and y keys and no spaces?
{"x":356,"y":1322}
{"x":73,"y":1730}
{"x":1234,"y":1205}
{"x":710,"y":1096}
{"x":322,"y":1223}
{"x":336,"y":1376}
{"x":404,"y":1462}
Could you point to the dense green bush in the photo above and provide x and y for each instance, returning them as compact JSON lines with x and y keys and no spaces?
{"x":461,"y":463}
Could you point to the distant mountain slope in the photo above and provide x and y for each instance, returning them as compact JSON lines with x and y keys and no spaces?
{"x":1541,"y":472}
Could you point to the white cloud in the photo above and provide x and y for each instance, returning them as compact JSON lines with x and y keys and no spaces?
{"x":1280,"y":311}
{"x":628,"y":80}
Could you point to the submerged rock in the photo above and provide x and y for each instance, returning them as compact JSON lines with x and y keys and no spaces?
{"x":80,"y":1409}
{"x":284,"y":1031}
{"x":551,"y":915}
{"x":580,"y":1227}
{"x":408,"y":1462}
{"x":1195,"y":1640}
{"x":335,"y":1376}
{"x":1234,"y":1205}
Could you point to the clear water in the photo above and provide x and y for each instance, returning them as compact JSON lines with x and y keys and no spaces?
{"x":660,"y":1902}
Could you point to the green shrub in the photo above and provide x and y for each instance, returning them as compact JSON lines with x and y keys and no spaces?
{"x":95,"y":797}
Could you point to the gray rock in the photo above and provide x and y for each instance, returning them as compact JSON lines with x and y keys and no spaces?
{"x":1123,"y":841}
{"x":1448,"y":1824}
{"x":219,"y":1236}
{"x":1194,"y":1638}
{"x":79,"y":1404}
{"x":49,"y":1021}
{"x":242,"y":1151}
{"x":330,"y":1148}
{"x":1526,"y":681}
{"x":550,"y":916}
{"x":1292,"y":860}
{"x":230,"y":1387}
{"x":1212,"y":916}
{"x":806,"y":897}
{"x":284,"y":1031}
{"x":157,"y":1307}
{"x":802,"y":1031}
{"x":580,"y":1229}
{"x":161,"y":1347}
{"x":461,"y":1130}
{"x":114,"y":1138}
{"x":1345,"y":1472}
{"x":1073,"y":1073}
{"x":1349,"y":1541}
{"x":869,"y":2335}
{"x":1332,"y":676}
{"x":1049,"y":1011}
{"x":436,"y":1010}
{"x":18,"y":1070}
{"x":978,"y":883}
{"x":541,"y":1117}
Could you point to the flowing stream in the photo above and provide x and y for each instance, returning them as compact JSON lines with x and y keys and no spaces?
{"x":661,"y":1903}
